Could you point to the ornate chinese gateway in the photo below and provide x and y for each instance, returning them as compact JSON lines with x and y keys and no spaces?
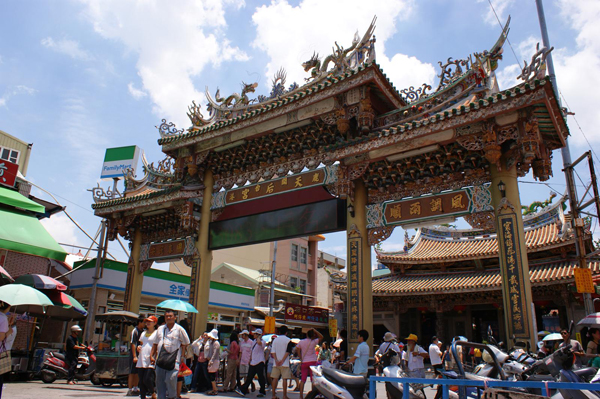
{"x":347,"y":151}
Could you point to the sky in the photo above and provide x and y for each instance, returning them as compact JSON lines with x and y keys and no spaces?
{"x":80,"y":76}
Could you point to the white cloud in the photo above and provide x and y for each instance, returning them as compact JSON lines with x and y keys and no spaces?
{"x":317,"y":25}
{"x":61,"y":228}
{"x":136,"y":93}
{"x":173,"y":45}
{"x":68,"y":47}
{"x":500,"y":6}
{"x":16,"y":90}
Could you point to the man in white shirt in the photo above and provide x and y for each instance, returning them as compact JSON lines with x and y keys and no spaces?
{"x":257,"y":366}
{"x":435,"y":355}
{"x":361,"y":356}
{"x":281,"y":350}
{"x":413,"y":357}
{"x":245,"y":355}
{"x":170,"y":338}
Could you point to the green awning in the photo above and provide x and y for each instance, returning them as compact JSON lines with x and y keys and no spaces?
{"x":13,"y":198}
{"x":21,"y":232}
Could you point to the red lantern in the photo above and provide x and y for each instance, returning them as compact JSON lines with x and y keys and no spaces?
{"x":460,"y":308}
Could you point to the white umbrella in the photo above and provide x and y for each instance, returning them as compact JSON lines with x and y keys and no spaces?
{"x":590,"y":320}
{"x":553,"y":337}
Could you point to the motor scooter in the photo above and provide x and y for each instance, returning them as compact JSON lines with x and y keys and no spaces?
{"x":55,"y":366}
{"x":395,"y":390}
{"x":337,"y":384}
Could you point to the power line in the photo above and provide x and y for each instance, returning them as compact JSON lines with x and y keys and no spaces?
{"x":502,"y":28}
{"x":579,"y":127}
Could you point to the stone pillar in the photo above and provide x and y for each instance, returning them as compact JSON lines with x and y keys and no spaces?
{"x":514,"y":265}
{"x":135,"y":277}
{"x":201,"y":267}
{"x":360,"y":289}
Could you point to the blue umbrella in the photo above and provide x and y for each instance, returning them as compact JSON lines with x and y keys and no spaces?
{"x":177,"y":304}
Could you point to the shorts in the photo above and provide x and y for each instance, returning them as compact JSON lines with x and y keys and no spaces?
{"x":438,"y":368}
{"x":132,"y":367}
{"x":306,"y":371}
{"x":281,"y":371}
{"x":244,"y":369}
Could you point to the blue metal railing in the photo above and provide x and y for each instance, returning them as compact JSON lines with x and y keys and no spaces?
{"x":446,"y":383}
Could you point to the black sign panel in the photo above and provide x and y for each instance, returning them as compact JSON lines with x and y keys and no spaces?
{"x":303,"y":220}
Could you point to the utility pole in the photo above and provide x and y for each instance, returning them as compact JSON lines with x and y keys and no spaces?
{"x":577,"y":222}
{"x":272,"y":296}
{"x":89,"y":322}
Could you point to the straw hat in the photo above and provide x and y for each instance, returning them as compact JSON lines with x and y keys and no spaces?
{"x":412,"y":337}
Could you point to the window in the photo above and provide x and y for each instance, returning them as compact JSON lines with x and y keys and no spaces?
{"x":9,"y":155}
{"x":293,"y":282}
{"x":303,"y":252}
{"x":294,"y":253}
{"x":303,"y":286}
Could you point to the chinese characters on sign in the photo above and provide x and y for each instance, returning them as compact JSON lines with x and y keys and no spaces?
{"x":8,"y":173}
{"x":454,"y":203}
{"x":277,"y":186}
{"x":179,"y":290}
{"x":353,"y":287}
{"x":513,"y":275}
{"x":168,"y":249}
{"x":583,"y":281}
{"x":306,"y":313}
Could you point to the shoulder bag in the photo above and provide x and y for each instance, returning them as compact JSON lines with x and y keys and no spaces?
{"x":166,"y":360}
{"x":5,"y":360}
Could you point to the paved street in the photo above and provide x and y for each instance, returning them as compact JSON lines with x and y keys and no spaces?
{"x":39,"y":390}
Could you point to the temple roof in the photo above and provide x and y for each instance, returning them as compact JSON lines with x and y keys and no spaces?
{"x":543,"y":230}
{"x":476,"y":280}
{"x":545,"y":273}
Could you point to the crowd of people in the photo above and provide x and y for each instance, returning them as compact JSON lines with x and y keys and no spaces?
{"x":161,"y":352}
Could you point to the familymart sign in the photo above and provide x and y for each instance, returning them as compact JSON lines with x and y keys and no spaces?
{"x":118,"y":160}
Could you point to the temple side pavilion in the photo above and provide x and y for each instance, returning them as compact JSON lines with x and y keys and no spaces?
{"x":448,"y":281}
{"x":346,"y":151}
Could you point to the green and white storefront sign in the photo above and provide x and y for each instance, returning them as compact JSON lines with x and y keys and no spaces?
{"x":118,"y":160}
{"x":161,"y":284}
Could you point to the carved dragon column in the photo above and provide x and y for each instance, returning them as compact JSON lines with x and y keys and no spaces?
{"x":514,"y":265}
{"x":360,"y":290}
{"x":200,"y":278}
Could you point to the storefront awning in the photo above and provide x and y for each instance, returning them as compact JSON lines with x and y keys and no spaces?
{"x":13,"y":198}
{"x":21,"y":232}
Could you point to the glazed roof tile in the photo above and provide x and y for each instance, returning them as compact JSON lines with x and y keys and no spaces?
{"x":476,"y":280}
{"x":146,"y":194}
{"x":432,"y":249}
{"x":296,"y":95}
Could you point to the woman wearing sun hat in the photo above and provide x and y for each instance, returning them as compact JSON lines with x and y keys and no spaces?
{"x":413,"y":357}
{"x":212,"y":351}
{"x":145,"y":368}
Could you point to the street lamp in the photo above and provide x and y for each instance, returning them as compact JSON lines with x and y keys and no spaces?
{"x":502,"y":188}
{"x":351,"y":209}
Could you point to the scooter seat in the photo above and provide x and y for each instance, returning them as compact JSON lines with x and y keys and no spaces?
{"x":345,"y":379}
{"x":58,"y":355}
{"x":585,"y":372}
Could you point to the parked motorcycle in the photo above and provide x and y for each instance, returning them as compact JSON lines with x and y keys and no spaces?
{"x":395,"y":390}
{"x":55,"y":366}
{"x":337,"y":384}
